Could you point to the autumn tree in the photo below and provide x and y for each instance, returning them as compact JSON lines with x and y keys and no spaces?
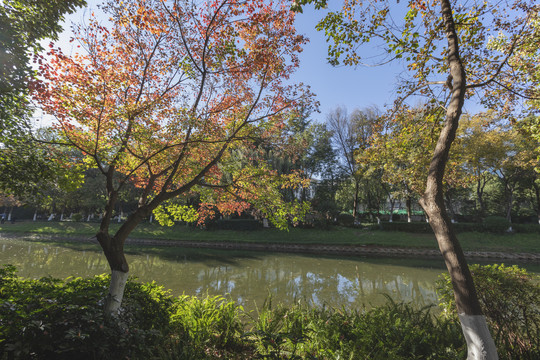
{"x":450,"y":53}
{"x":162,"y":96}
{"x":483,"y":141}
{"x":401,"y":148}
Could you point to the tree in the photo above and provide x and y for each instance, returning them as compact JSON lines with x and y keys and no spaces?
{"x":351,"y":134}
{"x":165,"y":95}
{"x":482,"y":141}
{"x":448,"y":45}
{"x":401,"y":148}
{"x":23,"y":24}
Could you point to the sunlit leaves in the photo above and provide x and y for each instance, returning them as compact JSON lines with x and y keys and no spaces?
{"x":164,"y":90}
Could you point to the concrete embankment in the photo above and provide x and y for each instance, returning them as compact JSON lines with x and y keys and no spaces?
{"x":322,"y":249}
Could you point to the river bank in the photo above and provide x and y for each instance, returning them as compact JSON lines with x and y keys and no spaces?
{"x":320,"y":249}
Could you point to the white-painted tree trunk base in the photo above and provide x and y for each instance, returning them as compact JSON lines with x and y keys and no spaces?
{"x":116,"y":291}
{"x":480,"y":344}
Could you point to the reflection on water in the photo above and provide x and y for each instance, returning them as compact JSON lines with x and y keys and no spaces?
{"x":249,"y":277}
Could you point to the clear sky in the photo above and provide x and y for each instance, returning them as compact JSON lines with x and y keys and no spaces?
{"x":341,"y":86}
{"x":334,"y":86}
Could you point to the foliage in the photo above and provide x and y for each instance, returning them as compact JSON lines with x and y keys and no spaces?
{"x":24,"y":166}
{"x":510,"y":300}
{"x":391,"y":331}
{"x":496,"y":224}
{"x":235,"y":224}
{"x":345,"y":219}
{"x":49,"y":318}
{"x":197,"y":98}
{"x":23,"y":24}
{"x":210,"y":322}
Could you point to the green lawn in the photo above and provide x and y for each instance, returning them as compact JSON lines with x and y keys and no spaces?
{"x":337,"y":235}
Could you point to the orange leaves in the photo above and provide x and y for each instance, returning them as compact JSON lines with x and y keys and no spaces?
{"x":164,"y":91}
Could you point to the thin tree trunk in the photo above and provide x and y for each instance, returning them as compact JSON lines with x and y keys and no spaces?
{"x":113,"y":248}
{"x":537,"y":193}
{"x":480,"y":344}
{"x":356,"y":192}
{"x":509,"y":205}
{"x":408,"y":205}
{"x":392,"y":203}
{"x":480,"y":194}
{"x":450,"y":207}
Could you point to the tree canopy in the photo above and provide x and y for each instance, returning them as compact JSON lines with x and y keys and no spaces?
{"x":23,"y":25}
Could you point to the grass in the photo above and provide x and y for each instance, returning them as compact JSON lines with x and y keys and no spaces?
{"x":472,"y":241}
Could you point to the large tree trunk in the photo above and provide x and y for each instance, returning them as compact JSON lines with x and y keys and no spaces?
{"x":113,"y":248}
{"x":480,"y":344}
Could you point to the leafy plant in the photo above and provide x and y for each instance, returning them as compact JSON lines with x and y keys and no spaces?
{"x":496,"y":224}
{"x":510,"y":300}
{"x":54,"y":319}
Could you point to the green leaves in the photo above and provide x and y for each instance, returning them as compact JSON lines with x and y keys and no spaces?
{"x":23,"y":24}
{"x":166,"y":214}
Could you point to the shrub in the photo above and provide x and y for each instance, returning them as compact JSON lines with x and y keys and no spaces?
{"x":413,"y":227}
{"x":345,"y":219}
{"x":526,"y":228}
{"x":510,"y":300}
{"x":496,"y":224}
{"x":55,"y":319}
{"x":392,"y":331}
{"x":235,"y":224}
{"x":210,"y":322}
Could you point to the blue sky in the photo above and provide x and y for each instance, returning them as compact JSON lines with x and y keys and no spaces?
{"x":334,"y":86}
{"x":350,"y":87}
{"x":341,"y":86}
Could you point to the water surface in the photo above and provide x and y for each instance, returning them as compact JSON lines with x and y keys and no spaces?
{"x":247,"y":277}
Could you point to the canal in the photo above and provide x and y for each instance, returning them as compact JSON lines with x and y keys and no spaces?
{"x":247,"y":277}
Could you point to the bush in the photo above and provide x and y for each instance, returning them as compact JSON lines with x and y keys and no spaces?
{"x":345,"y":219}
{"x":526,"y":228}
{"x":510,"y":300}
{"x":235,"y":224}
{"x":54,"y":319}
{"x":392,"y":331}
{"x":413,"y":227}
{"x":496,"y":224}
{"x":467,"y":227}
